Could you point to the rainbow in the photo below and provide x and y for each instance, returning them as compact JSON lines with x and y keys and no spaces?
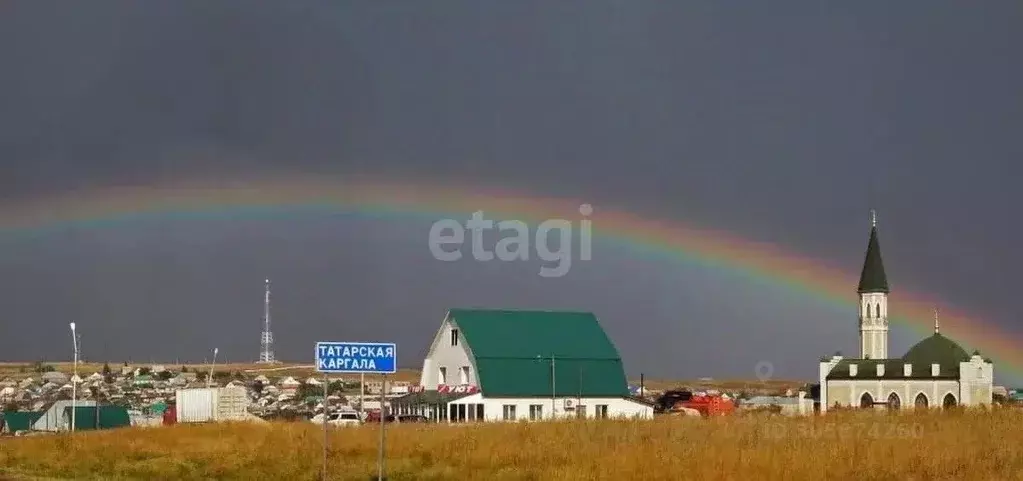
{"x":718,"y":249}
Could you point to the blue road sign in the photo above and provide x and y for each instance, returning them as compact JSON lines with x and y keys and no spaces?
{"x":356,"y":357}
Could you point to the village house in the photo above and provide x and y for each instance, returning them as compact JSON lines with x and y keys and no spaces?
{"x":509,"y":365}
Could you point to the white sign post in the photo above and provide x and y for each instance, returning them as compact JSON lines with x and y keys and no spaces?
{"x":358,"y":358}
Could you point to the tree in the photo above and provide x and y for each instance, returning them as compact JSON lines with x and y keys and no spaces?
{"x":42,"y":368}
{"x":336,"y":387}
{"x":306,"y":390}
{"x":164,"y":375}
{"x":184,"y":368}
{"x":106,"y":368}
{"x":145,"y":371}
{"x":257,"y":387}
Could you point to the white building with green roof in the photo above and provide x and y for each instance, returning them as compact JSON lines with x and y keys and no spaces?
{"x":510,"y":365}
{"x":936,"y":372}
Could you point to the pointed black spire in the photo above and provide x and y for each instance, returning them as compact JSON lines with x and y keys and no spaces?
{"x":872,"y":278}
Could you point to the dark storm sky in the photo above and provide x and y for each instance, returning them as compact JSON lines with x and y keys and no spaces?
{"x":779,"y":121}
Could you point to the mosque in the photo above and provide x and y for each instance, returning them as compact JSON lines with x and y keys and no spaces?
{"x":936,"y":372}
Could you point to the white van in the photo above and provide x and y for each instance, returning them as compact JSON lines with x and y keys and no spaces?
{"x":343,"y":418}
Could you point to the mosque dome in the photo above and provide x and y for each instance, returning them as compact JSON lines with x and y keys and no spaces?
{"x":936,"y":349}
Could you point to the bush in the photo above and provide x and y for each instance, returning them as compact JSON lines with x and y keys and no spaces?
{"x":42,"y":368}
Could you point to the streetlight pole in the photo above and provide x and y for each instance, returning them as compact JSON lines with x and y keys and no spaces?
{"x":74,"y":385}
{"x":210,"y":378}
{"x":553,"y":390}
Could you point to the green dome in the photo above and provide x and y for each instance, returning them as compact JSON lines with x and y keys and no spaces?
{"x":936,"y":349}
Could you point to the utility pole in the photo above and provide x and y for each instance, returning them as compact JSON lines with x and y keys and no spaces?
{"x":554,"y":392}
{"x":579,"y":399}
{"x":74,"y":384}
{"x":383,"y":421}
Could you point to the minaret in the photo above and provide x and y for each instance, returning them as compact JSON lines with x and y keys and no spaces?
{"x":873,"y":291}
{"x":266,"y":344}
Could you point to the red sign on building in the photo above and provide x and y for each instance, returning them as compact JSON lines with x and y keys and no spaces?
{"x":458,"y":389}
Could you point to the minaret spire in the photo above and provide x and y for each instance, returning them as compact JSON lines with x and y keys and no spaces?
{"x":873,"y":292}
{"x":935,"y":320}
{"x":872,"y":277}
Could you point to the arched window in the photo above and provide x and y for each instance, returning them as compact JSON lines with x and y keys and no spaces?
{"x":866,"y":400}
{"x":920,"y":401}
{"x":949,"y":401}
{"x":877,"y":310}
{"x":894,"y":402}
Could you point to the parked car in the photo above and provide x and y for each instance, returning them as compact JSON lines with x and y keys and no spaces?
{"x":374,"y":417}
{"x":344,"y":418}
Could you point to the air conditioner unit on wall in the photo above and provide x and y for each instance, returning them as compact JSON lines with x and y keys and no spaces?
{"x":569,"y":404}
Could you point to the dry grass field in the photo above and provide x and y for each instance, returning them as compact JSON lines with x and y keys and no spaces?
{"x":857,"y":446}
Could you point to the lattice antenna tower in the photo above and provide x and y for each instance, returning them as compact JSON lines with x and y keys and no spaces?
{"x":266,"y":344}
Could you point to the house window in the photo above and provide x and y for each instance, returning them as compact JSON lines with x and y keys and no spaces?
{"x":461,"y":412}
{"x":443,"y":378}
{"x":463,"y":375}
{"x":601,"y":411}
{"x":479,"y":412}
{"x":535,"y":412}
{"x":509,"y":412}
{"x":454,"y":337}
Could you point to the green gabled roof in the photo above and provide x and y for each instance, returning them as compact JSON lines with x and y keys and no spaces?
{"x":14,"y":421}
{"x":512,"y":351}
{"x":872,"y":277}
{"x":109,"y":417}
{"x":936,"y":349}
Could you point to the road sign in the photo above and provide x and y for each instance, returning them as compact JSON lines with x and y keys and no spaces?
{"x":356,"y":357}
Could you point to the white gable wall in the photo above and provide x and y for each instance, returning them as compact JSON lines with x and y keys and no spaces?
{"x":977,"y":381}
{"x":53,"y":418}
{"x":454,"y":359}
